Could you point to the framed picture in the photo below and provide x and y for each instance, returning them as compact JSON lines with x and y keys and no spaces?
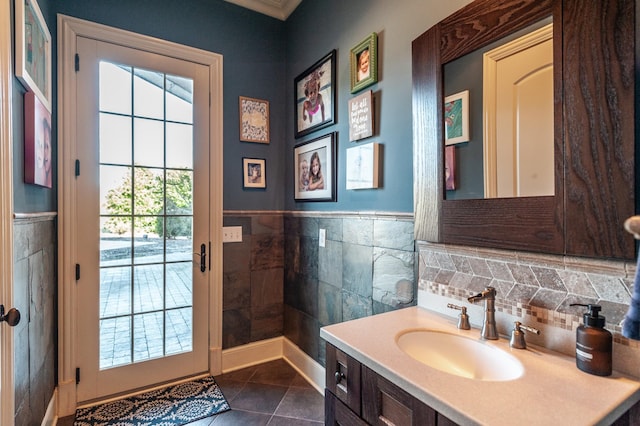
{"x":315,"y":93}
{"x":456,"y":118}
{"x":450,"y":168}
{"x":364,"y":63}
{"x":33,"y":50}
{"x":361,"y":116}
{"x":254,"y":172}
{"x":37,"y":141}
{"x":254,"y":120}
{"x":363,"y":166}
{"x":315,"y":165}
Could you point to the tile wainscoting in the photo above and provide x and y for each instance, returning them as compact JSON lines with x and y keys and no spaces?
{"x":366,"y":267}
{"x":35,"y":296}
{"x":253,"y":275}
{"x":279,"y":282}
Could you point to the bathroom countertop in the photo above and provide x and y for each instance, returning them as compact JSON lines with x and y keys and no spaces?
{"x":552,"y":389}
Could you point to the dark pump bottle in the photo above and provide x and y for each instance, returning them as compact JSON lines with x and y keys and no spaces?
{"x":594,"y":344}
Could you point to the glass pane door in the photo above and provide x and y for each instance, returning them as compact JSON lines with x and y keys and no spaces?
{"x":146,"y":214}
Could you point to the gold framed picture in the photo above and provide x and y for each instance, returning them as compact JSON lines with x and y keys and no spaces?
{"x":254,"y":120}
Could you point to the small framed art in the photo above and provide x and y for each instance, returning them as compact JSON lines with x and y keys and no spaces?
{"x":361,"y":116}
{"x":363,"y":166}
{"x":364,"y":63}
{"x":33,"y":50}
{"x":254,"y":172}
{"x":254,"y":120}
{"x":314,"y":96}
{"x":456,"y":118}
{"x":315,"y":163}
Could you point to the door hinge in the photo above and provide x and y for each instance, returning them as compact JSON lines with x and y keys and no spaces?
{"x":77,"y":168}
{"x":77,"y":272}
{"x":77,"y":62}
{"x":77,"y":375}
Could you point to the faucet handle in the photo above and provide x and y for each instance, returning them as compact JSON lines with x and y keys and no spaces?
{"x":463,"y":318}
{"x":517,"y":335}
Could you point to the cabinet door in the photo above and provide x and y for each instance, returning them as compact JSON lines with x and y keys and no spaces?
{"x":384,"y":403}
{"x":338,"y":414}
{"x":343,"y":377}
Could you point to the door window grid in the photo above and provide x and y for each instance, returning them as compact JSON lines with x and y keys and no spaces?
{"x":145,"y":284}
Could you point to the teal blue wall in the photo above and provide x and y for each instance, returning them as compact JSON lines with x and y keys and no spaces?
{"x":30,"y":198}
{"x":262,"y":56}
{"x":252,"y":46}
{"x":317,"y":27}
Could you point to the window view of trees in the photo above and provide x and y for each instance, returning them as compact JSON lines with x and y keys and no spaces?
{"x":150,"y":204}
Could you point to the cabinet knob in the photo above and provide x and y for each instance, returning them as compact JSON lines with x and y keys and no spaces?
{"x":339,"y":376}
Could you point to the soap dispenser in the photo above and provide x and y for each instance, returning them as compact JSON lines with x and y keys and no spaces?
{"x":594,"y":344}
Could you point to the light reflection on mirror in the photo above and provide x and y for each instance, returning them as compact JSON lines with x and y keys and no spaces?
{"x":509,"y":150}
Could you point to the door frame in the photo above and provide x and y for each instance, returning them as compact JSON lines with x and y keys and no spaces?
{"x":7,"y":390}
{"x":69,"y":29}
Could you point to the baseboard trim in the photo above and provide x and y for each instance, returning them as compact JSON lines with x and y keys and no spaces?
{"x":312,"y":371}
{"x":251,"y":354}
{"x":50,"y":417}
{"x":269,"y":350}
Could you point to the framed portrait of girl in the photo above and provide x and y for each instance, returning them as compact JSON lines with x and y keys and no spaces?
{"x":315,"y":169}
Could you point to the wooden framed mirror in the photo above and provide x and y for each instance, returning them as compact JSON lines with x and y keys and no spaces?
{"x":594,"y":131}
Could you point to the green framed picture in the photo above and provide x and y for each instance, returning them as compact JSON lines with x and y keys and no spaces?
{"x":364,"y":63}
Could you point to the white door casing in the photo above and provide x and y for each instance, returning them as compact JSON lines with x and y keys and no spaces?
{"x":7,"y":393}
{"x":69,"y":29}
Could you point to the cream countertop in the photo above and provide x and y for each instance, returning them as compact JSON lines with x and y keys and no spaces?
{"x":551,"y":391}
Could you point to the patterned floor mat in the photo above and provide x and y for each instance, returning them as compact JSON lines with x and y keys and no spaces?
{"x":174,"y":405}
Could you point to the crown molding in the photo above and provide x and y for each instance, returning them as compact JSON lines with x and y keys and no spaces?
{"x":280,"y":9}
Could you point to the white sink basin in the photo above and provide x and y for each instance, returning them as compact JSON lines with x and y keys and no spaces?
{"x":459,"y":355}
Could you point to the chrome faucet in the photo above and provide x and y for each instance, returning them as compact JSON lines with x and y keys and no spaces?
{"x":489,"y":331}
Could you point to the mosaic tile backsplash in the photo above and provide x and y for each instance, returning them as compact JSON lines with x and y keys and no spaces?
{"x":537,"y":288}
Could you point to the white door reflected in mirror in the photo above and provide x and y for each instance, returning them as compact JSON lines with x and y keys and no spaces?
{"x":518,"y":108}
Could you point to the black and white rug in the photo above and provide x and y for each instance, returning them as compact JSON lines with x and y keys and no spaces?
{"x":174,"y":405}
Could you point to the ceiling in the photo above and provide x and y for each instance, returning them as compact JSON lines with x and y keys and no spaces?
{"x":280,"y":9}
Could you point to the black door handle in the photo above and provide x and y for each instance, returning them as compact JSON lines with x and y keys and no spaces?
{"x":12,"y":317}
{"x":203,"y":257}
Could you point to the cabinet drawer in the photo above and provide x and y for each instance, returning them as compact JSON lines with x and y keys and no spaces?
{"x":336,"y":413}
{"x":343,"y":378}
{"x":384,"y":403}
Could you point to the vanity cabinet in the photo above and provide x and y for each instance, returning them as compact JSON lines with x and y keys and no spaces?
{"x":357,"y":395}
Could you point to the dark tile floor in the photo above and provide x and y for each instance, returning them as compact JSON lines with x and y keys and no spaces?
{"x":271,"y":394}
